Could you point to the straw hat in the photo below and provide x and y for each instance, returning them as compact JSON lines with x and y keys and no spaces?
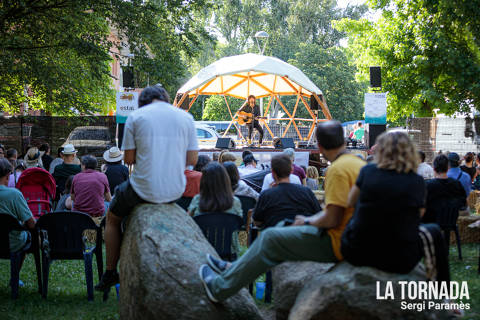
{"x":32,"y":158}
{"x":69,"y":149}
{"x":113,"y":155}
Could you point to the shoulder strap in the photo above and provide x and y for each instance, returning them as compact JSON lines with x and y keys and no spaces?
{"x":460,"y":175}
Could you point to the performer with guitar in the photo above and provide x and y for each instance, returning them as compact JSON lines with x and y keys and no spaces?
{"x":249,"y":114}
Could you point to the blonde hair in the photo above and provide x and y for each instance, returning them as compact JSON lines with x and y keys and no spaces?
{"x":312,"y":172}
{"x":396,"y":151}
{"x":225,"y":156}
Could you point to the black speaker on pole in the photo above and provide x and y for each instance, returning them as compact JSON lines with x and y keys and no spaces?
{"x":283,"y":143}
{"x":224,"y":143}
{"x":127,"y":77}
{"x":313,"y":103}
{"x":375,"y":77}
{"x":372,"y":132}
{"x":185,"y":103}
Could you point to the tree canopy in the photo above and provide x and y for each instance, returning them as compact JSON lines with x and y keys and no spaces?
{"x":428,"y":50}
{"x":56,"y":54}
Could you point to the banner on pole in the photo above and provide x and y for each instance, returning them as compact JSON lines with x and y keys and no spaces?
{"x":127,"y":102}
{"x":376,"y":108}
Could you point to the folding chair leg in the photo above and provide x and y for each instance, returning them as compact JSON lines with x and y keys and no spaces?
{"x":268,"y":287}
{"x":106,"y":294}
{"x":45,"y":271}
{"x":99,"y":258}
{"x":15,"y":259}
{"x":446,"y":235}
{"x":87,"y":259}
{"x":38,"y":268}
{"x":459,"y":245}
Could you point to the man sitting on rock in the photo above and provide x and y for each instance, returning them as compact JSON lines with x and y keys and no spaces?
{"x":161,"y":141}
{"x":286,"y":200}
{"x":314,"y":238}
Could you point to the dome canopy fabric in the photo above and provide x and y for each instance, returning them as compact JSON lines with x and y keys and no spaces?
{"x":246,"y":74}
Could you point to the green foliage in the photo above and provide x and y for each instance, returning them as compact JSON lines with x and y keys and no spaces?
{"x":429,"y":55}
{"x":56,"y":55}
{"x":216,"y":108}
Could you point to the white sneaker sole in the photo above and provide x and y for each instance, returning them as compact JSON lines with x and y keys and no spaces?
{"x":205,"y":285}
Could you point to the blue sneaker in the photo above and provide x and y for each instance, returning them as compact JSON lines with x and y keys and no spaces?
{"x":206,"y":276}
{"x":217,"y":265}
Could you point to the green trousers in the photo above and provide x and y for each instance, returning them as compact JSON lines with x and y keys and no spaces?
{"x":272,"y":247}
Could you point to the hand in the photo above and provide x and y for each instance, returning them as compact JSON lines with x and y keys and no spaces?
{"x":299,"y":221}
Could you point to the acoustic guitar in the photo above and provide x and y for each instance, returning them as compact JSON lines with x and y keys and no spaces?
{"x":246,"y":118}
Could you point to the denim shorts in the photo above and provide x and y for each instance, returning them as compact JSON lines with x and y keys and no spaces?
{"x":125,"y":200}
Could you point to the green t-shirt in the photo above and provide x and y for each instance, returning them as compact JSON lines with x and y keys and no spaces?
{"x":359,"y":133}
{"x":13,"y":203}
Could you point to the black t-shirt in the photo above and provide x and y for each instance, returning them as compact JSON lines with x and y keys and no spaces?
{"x":46,"y":160}
{"x":470,"y":170}
{"x":116,"y":174}
{"x":285,"y":201}
{"x":441,"y":195}
{"x":383,"y":232}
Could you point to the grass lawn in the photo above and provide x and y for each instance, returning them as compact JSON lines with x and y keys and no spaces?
{"x":67,"y":294}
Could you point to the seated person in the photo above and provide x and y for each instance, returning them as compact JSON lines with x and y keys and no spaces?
{"x":456,"y":173}
{"x":225,"y":156}
{"x":269,"y":181}
{"x":13,"y":203}
{"x":192,"y":187}
{"x":297,"y":170}
{"x":216,"y":196}
{"x":58,"y":160}
{"x":286,"y":200}
{"x":312,"y":178}
{"x":314,"y":238}
{"x":384,"y":230}
{"x":443,"y":193}
{"x":239,"y":187}
{"x":250,"y":166}
{"x":66,"y":169}
{"x":202,"y":161}
{"x":90,"y":189}
{"x":65,"y":202}
{"x":116,"y":172}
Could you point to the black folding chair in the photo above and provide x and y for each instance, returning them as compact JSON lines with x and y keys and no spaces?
{"x":62,"y":238}
{"x":7,"y":224}
{"x":247,"y":204}
{"x":218,"y":229}
{"x":184,"y":202}
{"x":447,"y":220}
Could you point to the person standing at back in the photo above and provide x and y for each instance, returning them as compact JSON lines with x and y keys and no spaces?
{"x":469,"y":167}
{"x":161,"y":141}
{"x":456,"y":173}
{"x":424,"y":169}
{"x":46,"y":158}
{"x":66,"y":169}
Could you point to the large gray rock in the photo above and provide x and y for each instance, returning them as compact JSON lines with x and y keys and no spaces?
{"x":162,"y":251}
{"x":348,"y":292}
{"x":289,"y":278}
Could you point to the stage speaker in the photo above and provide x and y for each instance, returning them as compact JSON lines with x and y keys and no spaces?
{"x":185,"y":103}
{"x":372,"y":131}
{"x":313,"y":103}
{"x":283,"y":143}
{"x":127,"y":77}
{"x":224,"y":143}
{"x":375,"y":77}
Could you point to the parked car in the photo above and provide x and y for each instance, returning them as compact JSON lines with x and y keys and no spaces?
{"x":207,"y":136}
{"x":92,"y":140}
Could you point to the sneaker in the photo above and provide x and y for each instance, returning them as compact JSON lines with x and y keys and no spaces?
{"x":206,"y":276}
{"x":109,"y":279}
{"x":217,"y":265}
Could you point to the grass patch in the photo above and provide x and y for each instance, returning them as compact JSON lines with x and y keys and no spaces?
{"x":67,"y":294}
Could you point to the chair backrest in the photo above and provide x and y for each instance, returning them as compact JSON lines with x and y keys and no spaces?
{"x":184,"y":202}
{"x":218,"y":229}
{"x":7,"y":224}
{"x":247,"y":204}
{"x":448,"y":215}
{"x":65,"y":233}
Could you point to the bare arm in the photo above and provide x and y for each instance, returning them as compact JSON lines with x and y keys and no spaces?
{"x":353,"y":196}
{"x":69,"y":203}
{"x":108,"y":196}
{"x":328,"y":219}
{"x":192,"y":157}
{"x":72,"y":197}
{"x":129,"y":156}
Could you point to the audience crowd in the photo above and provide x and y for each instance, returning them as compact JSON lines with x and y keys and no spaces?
{"x":372,"y":214}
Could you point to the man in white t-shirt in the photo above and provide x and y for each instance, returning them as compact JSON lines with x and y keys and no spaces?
{"x":424,"y":169}
{"x":161,"y":141}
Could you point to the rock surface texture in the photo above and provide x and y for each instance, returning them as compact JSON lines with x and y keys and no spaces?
{"x":162,"y":251}
{"x":348,"y":292}
{"x":289,"y":278}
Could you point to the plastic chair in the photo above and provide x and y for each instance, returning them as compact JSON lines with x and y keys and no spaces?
{"x":247,"y":204}
{"x":9,"y":223}
{"x":184,"y":202}
{"x":62,"y":238}
{"x":447,"y":220}
{"x":218,"y":229}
